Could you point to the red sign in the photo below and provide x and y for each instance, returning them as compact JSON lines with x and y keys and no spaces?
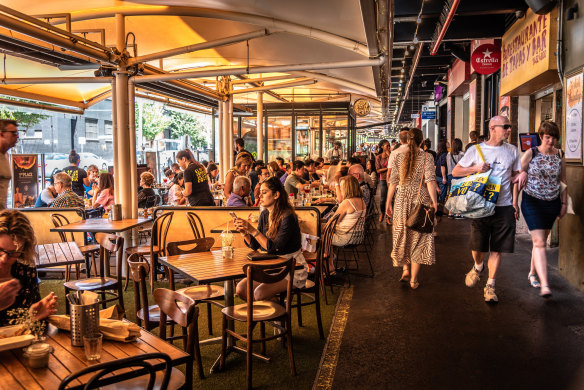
{"x":486,"y":59}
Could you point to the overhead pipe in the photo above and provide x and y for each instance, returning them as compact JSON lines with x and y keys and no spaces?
{"x":48,"y":26}
{"x":261,"y":79}
{"x":258,"y":84}
{"x":258,"y":69}
{"x":41,"y":98}
{"x":415,"y":61}
{"x":42,"y":106}
{"x":57,"y":80}
{"x":198,"y":46}
{"x":99,"y":98}
{"x":445,"y":26}
{"x":53,"y":39}
{"x":275,"y":86}
{"x":189,"y":86}
{"x":273,"y":25}
{"x":171,"y":103}
{"x":370,"y":92}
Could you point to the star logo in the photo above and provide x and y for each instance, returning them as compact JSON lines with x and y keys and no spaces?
{"x":487,"y":53}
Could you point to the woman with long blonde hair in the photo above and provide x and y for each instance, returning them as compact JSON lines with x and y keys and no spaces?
{"x":411,"y":249}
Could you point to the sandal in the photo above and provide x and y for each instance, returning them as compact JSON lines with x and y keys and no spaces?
{"x":414,"y":284}
{"x":545,"y":292}
{"x":533,"y":281}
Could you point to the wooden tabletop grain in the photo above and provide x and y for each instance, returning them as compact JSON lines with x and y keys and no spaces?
{"x":58,"y":254}
{"x":102,"y":225}
{"x":65,"y":359}
{"x":207,"y":267}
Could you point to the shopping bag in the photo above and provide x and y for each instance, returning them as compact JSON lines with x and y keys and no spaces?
{"x":474,"y":196}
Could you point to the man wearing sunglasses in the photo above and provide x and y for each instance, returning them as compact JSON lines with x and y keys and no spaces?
{"x":494,"y":234}
{"x":8,"y":138}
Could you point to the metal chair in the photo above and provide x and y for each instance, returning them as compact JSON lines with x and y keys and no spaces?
{"x":147,"y":315}
{"x":357,"y":247}
{"x":136,"y":372}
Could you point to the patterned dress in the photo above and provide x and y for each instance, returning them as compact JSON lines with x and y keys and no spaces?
{"x":410,"y":246}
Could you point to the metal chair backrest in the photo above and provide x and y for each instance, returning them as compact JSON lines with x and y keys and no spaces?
{"x":358,"y":232}
{"x":108,"y":244}
{"x":160,"y":231}
{"x":326,"y":248}
{"x":269,"y":273}
{"x":139,"y":269}
{"x":132,"y":367}
{"x":196,"y":224}
{"x":190,"y":246}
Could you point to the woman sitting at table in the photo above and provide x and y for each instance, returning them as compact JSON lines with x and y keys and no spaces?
{"x":175,"y":194}
{"x":213,"y":173}
{"x":241,"y":168}
{"x":146,"y":194}
{"x":20,"y":288}
{"x":104,"y":191}
{"x":278,"y":233}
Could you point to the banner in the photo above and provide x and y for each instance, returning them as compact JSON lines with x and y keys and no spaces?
{"x":573,"y":128}
{"x":25,"y":180}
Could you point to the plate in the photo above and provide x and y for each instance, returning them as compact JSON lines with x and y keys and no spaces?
{"x":8,"y":342}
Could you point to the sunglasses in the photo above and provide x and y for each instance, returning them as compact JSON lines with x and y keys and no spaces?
{"x":12,"y":254}
{"x":506,"y":127}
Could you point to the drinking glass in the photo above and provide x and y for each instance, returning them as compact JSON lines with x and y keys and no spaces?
{"x":92,"y":345}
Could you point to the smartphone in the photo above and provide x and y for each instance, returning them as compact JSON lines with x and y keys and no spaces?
{"x":233,"y":215}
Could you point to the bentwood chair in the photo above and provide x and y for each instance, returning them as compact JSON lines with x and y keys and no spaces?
{"x":134,"y":372}
{"x":315,"y":283}
{"x":147,"y":315}
{"x":104,"y":284}
{"x":87,"y":250}
{"x":156,"y":247}
{"x":196,"y":225}
{"x":206,"y":293}
{"x":254,"y":312}
{"x":356,"y":247}
{"x":181,"y":310}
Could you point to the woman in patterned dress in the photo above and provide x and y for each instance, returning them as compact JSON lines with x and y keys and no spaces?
{"x":410,"y":248}
{"x":543,"y":199}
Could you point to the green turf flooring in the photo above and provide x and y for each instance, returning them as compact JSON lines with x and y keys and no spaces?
{"x":308,"y":346}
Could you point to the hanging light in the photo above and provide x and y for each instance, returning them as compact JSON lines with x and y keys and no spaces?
{"x":407,"y":53}
{"x":416,"y":39}
{"x":403,"y":70}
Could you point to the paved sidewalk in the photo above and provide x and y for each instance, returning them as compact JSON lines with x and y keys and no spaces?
{"x":444,"y":336}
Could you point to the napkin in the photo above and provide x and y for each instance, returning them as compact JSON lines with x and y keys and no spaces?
{"x":110,"y":325}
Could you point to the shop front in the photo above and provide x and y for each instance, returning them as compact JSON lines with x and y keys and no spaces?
{"x":300,"y":130}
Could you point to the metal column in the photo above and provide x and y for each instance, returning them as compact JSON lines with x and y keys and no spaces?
{"x":132,"y":149}
{"x":230,"y":129}
{"x":260,"y":125}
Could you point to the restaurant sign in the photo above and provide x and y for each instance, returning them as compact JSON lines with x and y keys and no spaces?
{"x":527,"y":55}
{"x":24,"y":180}
{"x":486,"y":59}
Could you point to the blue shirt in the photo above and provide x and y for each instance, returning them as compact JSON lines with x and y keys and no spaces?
{"x":235,"y":201}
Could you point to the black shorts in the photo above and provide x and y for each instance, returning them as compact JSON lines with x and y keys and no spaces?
{"x":495,"y":233}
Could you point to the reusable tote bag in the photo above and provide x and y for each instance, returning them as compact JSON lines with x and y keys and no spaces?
{"x":474,"y":196}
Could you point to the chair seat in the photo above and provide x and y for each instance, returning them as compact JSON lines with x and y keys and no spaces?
{"x":262,"y":311}
{"x":91,"y":284}
{"x":141,"y":250}
{"x":205,"y":291}
{"x":153,"y":313}
{"x":89,"y":248}
{"x":177,"y":381}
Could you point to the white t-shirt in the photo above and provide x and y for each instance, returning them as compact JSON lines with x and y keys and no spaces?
{"x":394,"y":153}
{"x":504,"y":161}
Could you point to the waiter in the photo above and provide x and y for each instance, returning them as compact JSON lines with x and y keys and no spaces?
{"x":335,"y":154}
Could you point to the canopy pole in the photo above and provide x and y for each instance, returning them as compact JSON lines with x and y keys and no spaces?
{"x":230,"y":128}
{"x":123,"y":140}
{"x":219,"y":158}
{"x":225,"y":158}
{"x":115,"y":132}
{"x":260,"y":126}
{"x":132,"y":151}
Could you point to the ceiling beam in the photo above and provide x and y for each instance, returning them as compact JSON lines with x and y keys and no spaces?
{"x":259,"y":84}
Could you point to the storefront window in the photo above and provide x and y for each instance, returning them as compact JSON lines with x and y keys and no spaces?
{"x":335,"y":129}
{"x":307,"y":137}
{"x":249,"y":135}
{"x":280,"y":137}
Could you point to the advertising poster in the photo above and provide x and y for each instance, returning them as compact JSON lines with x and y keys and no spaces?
{"x":24,"y":180}
{"x":573,"y":132}
{"x":504,"y":106}
{"x":151,"y":163}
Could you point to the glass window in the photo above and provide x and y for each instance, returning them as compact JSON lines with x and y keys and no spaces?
{"x":280,"y":137}
{"x":91,"y":128}
{"x":249,"y":135}
{"x":334,"y":128}
{"x":108,"y":128}
{"x":307,"y":137}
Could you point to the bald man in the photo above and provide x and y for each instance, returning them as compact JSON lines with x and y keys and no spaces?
{"x":357,"y":171}
{"x":496,"y":233}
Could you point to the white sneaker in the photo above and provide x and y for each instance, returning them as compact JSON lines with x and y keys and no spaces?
{"x":490,"y":296}
{"x":472,"y":277}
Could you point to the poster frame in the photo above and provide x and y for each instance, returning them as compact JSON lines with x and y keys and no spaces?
{"x":567,"y":76}
{"x":14,"y":182}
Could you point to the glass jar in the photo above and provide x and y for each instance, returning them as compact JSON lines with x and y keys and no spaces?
{"x":38,"y":355}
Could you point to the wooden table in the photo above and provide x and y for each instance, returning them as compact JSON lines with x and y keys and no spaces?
{"x":208,"y":267}
{"x":102,"y":225}
{"x":58,"y":254}
{"x":66,"y":359}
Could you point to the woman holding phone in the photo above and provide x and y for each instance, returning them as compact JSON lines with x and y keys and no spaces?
{"x":278,"y":233}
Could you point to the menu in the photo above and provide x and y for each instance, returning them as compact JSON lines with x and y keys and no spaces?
{"x":573,"y":134}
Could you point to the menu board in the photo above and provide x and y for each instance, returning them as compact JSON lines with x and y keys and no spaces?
{"x":24,"y":180}
{"x":573,"y":127}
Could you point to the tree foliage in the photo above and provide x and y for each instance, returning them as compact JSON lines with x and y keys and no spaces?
{"x":183,"y":123}
{"x":25,"y":119}
{"x":154,"y":120}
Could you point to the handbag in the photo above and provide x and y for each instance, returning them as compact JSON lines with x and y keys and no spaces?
{"x":421,"y":218}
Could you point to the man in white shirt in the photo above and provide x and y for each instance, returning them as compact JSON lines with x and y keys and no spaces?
{"x":335,"y":154}
{"x":8,"y":138}
{"x":496,"y":233}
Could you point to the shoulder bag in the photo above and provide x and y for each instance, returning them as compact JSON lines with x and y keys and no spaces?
{"x":421,"y":218}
